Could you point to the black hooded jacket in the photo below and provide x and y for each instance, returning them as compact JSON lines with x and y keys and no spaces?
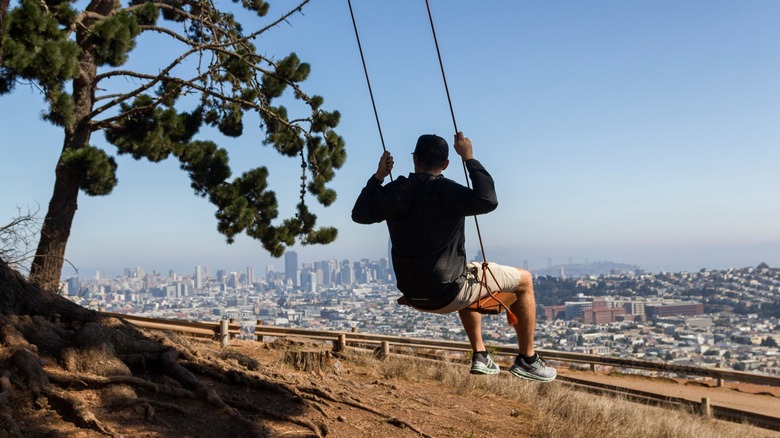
{"x":425,"y":216}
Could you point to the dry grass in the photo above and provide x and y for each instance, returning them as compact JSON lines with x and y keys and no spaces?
{"x":562,"y":411}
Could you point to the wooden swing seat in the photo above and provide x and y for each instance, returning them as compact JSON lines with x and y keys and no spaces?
{"x":487,"y":305}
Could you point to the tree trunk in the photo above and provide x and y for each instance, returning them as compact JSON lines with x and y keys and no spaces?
{"x":3,"y":11}
{"x":50,"y":255}
{"x":46,"y":267}
{"x":308,"y":360}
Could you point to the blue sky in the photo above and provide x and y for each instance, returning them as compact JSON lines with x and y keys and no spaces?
{"x":639,"y":132}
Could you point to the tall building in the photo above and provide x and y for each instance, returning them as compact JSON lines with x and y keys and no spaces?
{"x":312,"y":282}
{"x":390,"y":258}
{"x":198,"y":277}
{"x":250,"y":275}
{"x":74,"y":286}
{"x":291,"y":267}
{"x":347,"y":273}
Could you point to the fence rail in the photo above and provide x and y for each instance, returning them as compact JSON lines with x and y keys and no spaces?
{"x":350,"y":337}
{"x":223,"y":330}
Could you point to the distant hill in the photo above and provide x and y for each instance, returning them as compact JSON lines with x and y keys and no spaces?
{"x":585,"y":269}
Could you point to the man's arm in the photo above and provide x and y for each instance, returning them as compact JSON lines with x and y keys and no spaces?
{"x":362,"y":212}
{"x":482,"y":197}
{"x":372,"y":204}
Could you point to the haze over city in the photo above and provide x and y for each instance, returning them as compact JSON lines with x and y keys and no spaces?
{"x":642,"y":133}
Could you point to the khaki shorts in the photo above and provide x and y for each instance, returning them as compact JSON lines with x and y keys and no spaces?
{"x":507,"y":278}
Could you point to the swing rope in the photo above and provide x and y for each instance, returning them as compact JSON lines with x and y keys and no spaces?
{"x":368,"y":81}
{"x":483,"y":284}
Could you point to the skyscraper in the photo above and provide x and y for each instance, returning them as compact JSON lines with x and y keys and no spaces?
{"x":74,"y":286}
{"x":390,"y":258}
{"x":291,"y":267}
{"x":250,"y":275}
{"x":198,"y":277}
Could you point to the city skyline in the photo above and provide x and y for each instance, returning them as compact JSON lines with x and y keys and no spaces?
{"x":642,"y":133}
{"x":557,"y":268}
{"x":704,"y":318}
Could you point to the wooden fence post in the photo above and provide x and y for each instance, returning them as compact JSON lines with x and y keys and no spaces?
{"x":385,"y":349}
{"x":224,"y":333}
{"x":259,"y":338}
{"x":706,"y":409}
{"x":340,"y":344}
{"x":233,"y":321}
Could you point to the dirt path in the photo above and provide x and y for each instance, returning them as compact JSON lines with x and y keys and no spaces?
{"x":376,"y":405}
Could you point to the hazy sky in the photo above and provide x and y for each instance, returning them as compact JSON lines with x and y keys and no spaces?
{"x":639,"y":132}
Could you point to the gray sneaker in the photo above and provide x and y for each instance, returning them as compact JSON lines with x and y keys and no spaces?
{"x":537,"y":371}
{"x":483,"y":365}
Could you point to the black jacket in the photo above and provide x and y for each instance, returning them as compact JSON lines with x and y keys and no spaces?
{"x":425,"y":216}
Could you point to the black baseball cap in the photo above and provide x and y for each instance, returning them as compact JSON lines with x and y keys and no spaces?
{"x":431,"y":146}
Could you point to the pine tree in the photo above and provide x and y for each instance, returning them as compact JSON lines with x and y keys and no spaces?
{"x":75,"y":57}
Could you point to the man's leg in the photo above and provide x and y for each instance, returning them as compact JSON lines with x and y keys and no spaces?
{"x":528,"y":365}
{"x":525,"y":310}
{"x":472,"y":324}
{"x":481,"y":363}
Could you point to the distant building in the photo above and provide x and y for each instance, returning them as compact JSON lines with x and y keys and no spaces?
{"x":198,"y":277}
{"x":602,"y":315}
{"x":574,"y":309}
{"x":74,"y":286}
{"x":291,"y":267}
{"x":688,"y":308}
{"x":635,"y":308}
{"x":347,"y":273}
{"x":554,"y":312}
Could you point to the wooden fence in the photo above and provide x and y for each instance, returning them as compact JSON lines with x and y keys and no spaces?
{"x":225,"y":330}
{"x":719,"y":374}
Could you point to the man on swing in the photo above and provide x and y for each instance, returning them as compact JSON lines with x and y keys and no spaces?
{"x":425,"y":215}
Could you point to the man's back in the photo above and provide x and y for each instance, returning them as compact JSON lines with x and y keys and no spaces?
{"x":425,"y":216}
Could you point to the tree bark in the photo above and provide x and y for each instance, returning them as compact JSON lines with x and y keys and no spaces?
{"x":50,"y":255}
{"x":3,"y":11}
{"x":308,"y":360}
{"x":49,"y":258}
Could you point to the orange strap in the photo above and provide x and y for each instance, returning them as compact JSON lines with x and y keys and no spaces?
{"x":501,"y":298}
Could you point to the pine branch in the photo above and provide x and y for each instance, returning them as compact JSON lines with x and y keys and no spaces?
{"x":153,"y":80}
{"x":291,"y":124}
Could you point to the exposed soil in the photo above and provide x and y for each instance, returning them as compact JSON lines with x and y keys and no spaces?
{"x":272,"y":399}
{"x":344,"y":399}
